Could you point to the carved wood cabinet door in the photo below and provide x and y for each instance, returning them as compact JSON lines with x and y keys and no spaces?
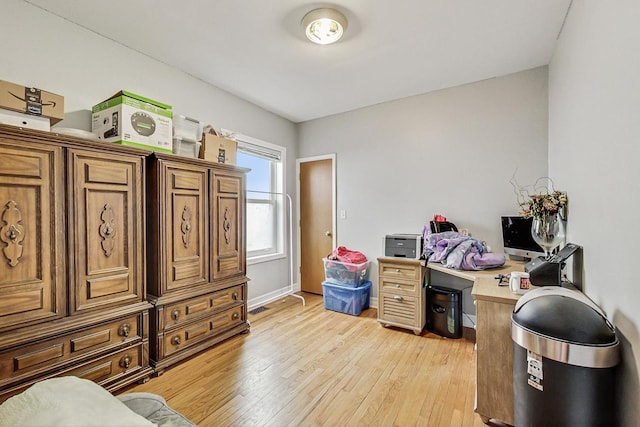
{"x":186,"y":234}
{"x":106,"y":218}
{"x":228,"y":246}
{"x":31,"y":234}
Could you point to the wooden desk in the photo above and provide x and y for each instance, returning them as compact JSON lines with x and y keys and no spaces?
{"x":494,"y":367}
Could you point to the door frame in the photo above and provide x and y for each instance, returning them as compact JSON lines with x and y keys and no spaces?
{"x":334,"y":238}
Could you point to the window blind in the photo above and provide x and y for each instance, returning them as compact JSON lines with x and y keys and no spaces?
{"x":257,"y":150}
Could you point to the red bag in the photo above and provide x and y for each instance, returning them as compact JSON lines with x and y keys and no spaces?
{"x":343,"y":254}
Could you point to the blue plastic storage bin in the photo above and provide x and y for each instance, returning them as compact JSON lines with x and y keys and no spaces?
{"x":345,"y":299}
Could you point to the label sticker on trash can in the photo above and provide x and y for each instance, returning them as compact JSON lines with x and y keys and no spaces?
{"x":534,"y":370}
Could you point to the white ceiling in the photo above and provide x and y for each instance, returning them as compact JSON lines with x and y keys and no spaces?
{"x":392,"y":49}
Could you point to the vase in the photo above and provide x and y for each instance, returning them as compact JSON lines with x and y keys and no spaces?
{"x":548,"y":232}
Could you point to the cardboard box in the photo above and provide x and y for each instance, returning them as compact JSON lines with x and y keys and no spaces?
{"x":31,"y":100}
{"x":218,"y":149}
{"x":133,"y":120}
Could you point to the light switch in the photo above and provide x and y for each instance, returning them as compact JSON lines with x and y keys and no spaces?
{"x":343,"y":214}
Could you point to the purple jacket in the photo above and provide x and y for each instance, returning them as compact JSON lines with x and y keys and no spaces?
{"x":455,"y":250}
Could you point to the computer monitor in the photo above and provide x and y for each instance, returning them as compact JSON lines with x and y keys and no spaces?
{"x":517,"y":240}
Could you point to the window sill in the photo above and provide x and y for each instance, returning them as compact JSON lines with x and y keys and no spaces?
{"x":265,"y":258}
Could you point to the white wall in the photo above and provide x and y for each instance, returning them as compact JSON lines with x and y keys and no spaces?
{"x":450,"y":152}
{"x":42,"y":50}
{"x":594,"y":150}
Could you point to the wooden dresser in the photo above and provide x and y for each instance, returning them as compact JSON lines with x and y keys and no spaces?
{"x":402,"y":293}
{"x":196,"y":256}
{"x":72,"y":261}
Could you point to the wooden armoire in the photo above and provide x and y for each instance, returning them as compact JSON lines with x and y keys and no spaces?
{"x":196,"y":255}
{"x":72,"y":261}
{"x":113,"y":260}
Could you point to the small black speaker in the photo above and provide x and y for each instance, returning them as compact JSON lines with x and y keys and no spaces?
{"x":548,"y":272}
{"x":544,"y":272}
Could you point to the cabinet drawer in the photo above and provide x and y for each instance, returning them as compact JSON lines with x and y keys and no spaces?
{"x":399,"y":308}
{"x":200,"y":330}
{"x":405,"y":287}
{"x":228,"y":296}
{"x":199,"y":306}
{"x":400,"y":271}
{"x":51,"y":353}
{"x":107,"y":370}
{"x":112,"y":365}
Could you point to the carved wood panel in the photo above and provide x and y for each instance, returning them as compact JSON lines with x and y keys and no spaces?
{"x":187,"y":236}
{"x":31,"y":234}
{"x":228,"y":247}
{"x":108,"y":216}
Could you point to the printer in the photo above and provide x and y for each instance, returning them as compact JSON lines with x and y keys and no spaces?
{"x":403,"y":245}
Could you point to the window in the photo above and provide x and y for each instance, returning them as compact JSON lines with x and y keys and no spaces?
{"x":265,"y":198}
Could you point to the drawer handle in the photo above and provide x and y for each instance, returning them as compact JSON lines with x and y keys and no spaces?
{"x":124,"y":330}
{"x":235,"y":316}
{"x":234,"y":296}
{"x":398,"y":298}
{"x":175,"y":314}
{"x":397,"y":270}
{"x":398,"y":286}
{"x":125,"y":362}
{"x":176,"y":340}
{"x":12,"y":233}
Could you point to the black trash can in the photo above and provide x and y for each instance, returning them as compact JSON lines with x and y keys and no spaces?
{"x":444,"y":311}
{"x":564,"y":356}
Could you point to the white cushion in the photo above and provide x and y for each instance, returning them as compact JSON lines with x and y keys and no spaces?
{"x":69,"y":402}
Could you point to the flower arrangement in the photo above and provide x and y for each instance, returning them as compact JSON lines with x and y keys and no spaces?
{"x":540,"y":199}
{"x":543,"y":204}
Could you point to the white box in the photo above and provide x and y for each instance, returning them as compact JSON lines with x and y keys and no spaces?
{"x":130,"y":119}
{"x":29,"y":121}
{"x":186,"y":147}
{"x":186,"y":127}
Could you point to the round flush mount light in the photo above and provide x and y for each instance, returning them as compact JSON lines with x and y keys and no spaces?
{"x":324,"y":26}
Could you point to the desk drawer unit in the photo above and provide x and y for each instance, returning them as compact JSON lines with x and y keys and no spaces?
{"x":401,"y":293}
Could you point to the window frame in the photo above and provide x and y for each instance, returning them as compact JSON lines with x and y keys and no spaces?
{"x":276,"y":195}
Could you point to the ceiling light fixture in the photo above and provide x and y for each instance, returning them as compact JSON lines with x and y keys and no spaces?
{"x":324,"y":26}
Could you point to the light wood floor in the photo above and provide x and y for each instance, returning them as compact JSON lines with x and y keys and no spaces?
{"x":307,"y":366}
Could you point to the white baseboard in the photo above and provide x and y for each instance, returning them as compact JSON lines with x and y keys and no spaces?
{"x":271,"y":296}
{"x":282,"y":292}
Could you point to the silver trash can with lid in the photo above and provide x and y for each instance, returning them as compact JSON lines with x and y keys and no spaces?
{"x":565,"y":353}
